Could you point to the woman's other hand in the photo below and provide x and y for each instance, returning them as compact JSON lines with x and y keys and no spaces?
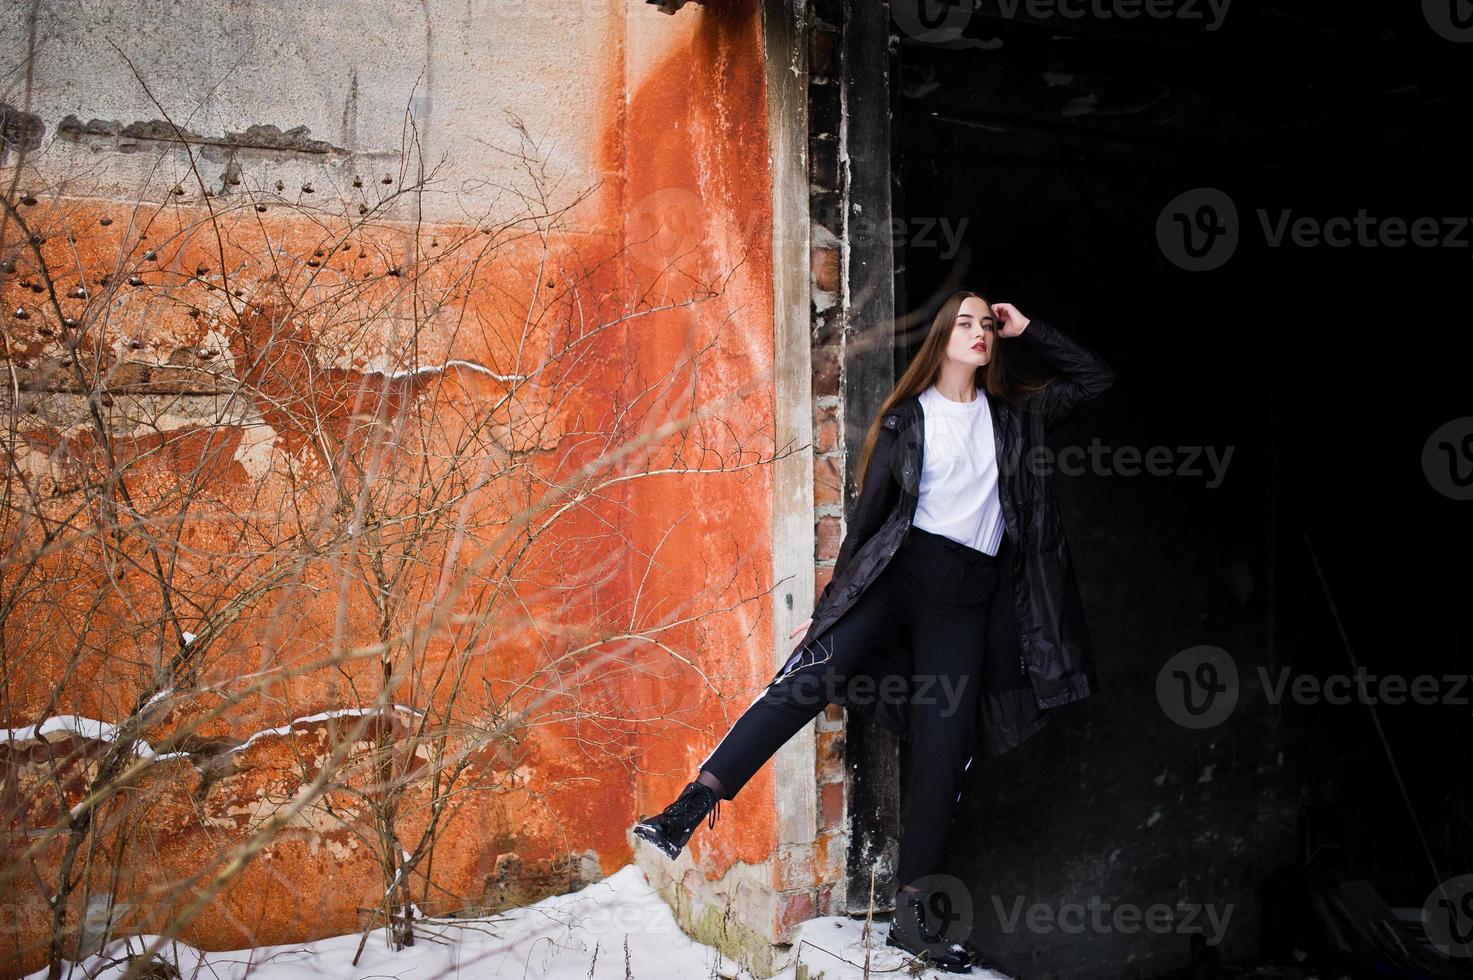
{"x":1010,"y":319}
{"x":802,"y":628}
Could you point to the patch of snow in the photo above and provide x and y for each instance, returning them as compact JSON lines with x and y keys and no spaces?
{"x":565,"y":937}
{"x":440,"y":369}
{"x":378,"y":366}
{"x":320,"y":716}
{"x":77,"y":724}
{"x":99,"y":731}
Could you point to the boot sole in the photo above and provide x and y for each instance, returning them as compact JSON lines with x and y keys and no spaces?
{"x":650,"y":835}
{"x":950,"y":966}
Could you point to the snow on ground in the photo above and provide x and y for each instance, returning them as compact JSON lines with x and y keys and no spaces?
{"x":578,"y":936}
{"x":101,"y":731}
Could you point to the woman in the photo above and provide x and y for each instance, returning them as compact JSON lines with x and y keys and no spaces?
{"x":974,"y":630}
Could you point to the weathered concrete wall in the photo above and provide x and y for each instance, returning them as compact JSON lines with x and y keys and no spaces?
{"x":247,"y":77}
{"x":238,"y":292}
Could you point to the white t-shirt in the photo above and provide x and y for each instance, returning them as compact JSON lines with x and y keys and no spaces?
{"x":958,"y":495}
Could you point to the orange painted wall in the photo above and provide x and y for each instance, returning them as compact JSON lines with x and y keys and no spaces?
{"x":690,"y":163}
{"x":682,"y":151}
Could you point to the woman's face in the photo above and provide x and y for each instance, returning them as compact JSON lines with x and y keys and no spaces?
{"x":973,"y":333}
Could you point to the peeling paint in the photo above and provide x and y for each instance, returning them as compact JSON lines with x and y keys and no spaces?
{"x":256,"y":452}
{"x":19,"y":131}
{"x":134,"y":137}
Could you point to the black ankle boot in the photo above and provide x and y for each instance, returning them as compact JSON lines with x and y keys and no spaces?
{"x":911,"y":931}
{"x":670,"y":829}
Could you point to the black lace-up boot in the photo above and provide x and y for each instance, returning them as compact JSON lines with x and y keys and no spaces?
{"x":670,"y":829}
{"x":912,"y":931}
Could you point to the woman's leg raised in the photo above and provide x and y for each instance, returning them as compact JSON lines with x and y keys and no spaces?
{"x":870,"y":626}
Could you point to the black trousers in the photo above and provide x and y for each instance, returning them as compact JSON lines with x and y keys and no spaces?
{"x":936,"y":593}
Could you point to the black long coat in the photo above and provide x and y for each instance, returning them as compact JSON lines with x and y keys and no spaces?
{"x":1043,"y":629}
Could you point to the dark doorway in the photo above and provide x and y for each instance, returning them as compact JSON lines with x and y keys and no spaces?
{"x":1319,"y":543}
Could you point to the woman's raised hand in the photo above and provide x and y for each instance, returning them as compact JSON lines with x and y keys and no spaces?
{"x":1010,"y":320}
{"x":802,"y":628}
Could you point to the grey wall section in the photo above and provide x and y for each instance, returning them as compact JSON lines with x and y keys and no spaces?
{"x":310,"y":93}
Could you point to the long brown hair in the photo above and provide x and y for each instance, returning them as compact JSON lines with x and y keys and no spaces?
{"x":925,"y":368}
